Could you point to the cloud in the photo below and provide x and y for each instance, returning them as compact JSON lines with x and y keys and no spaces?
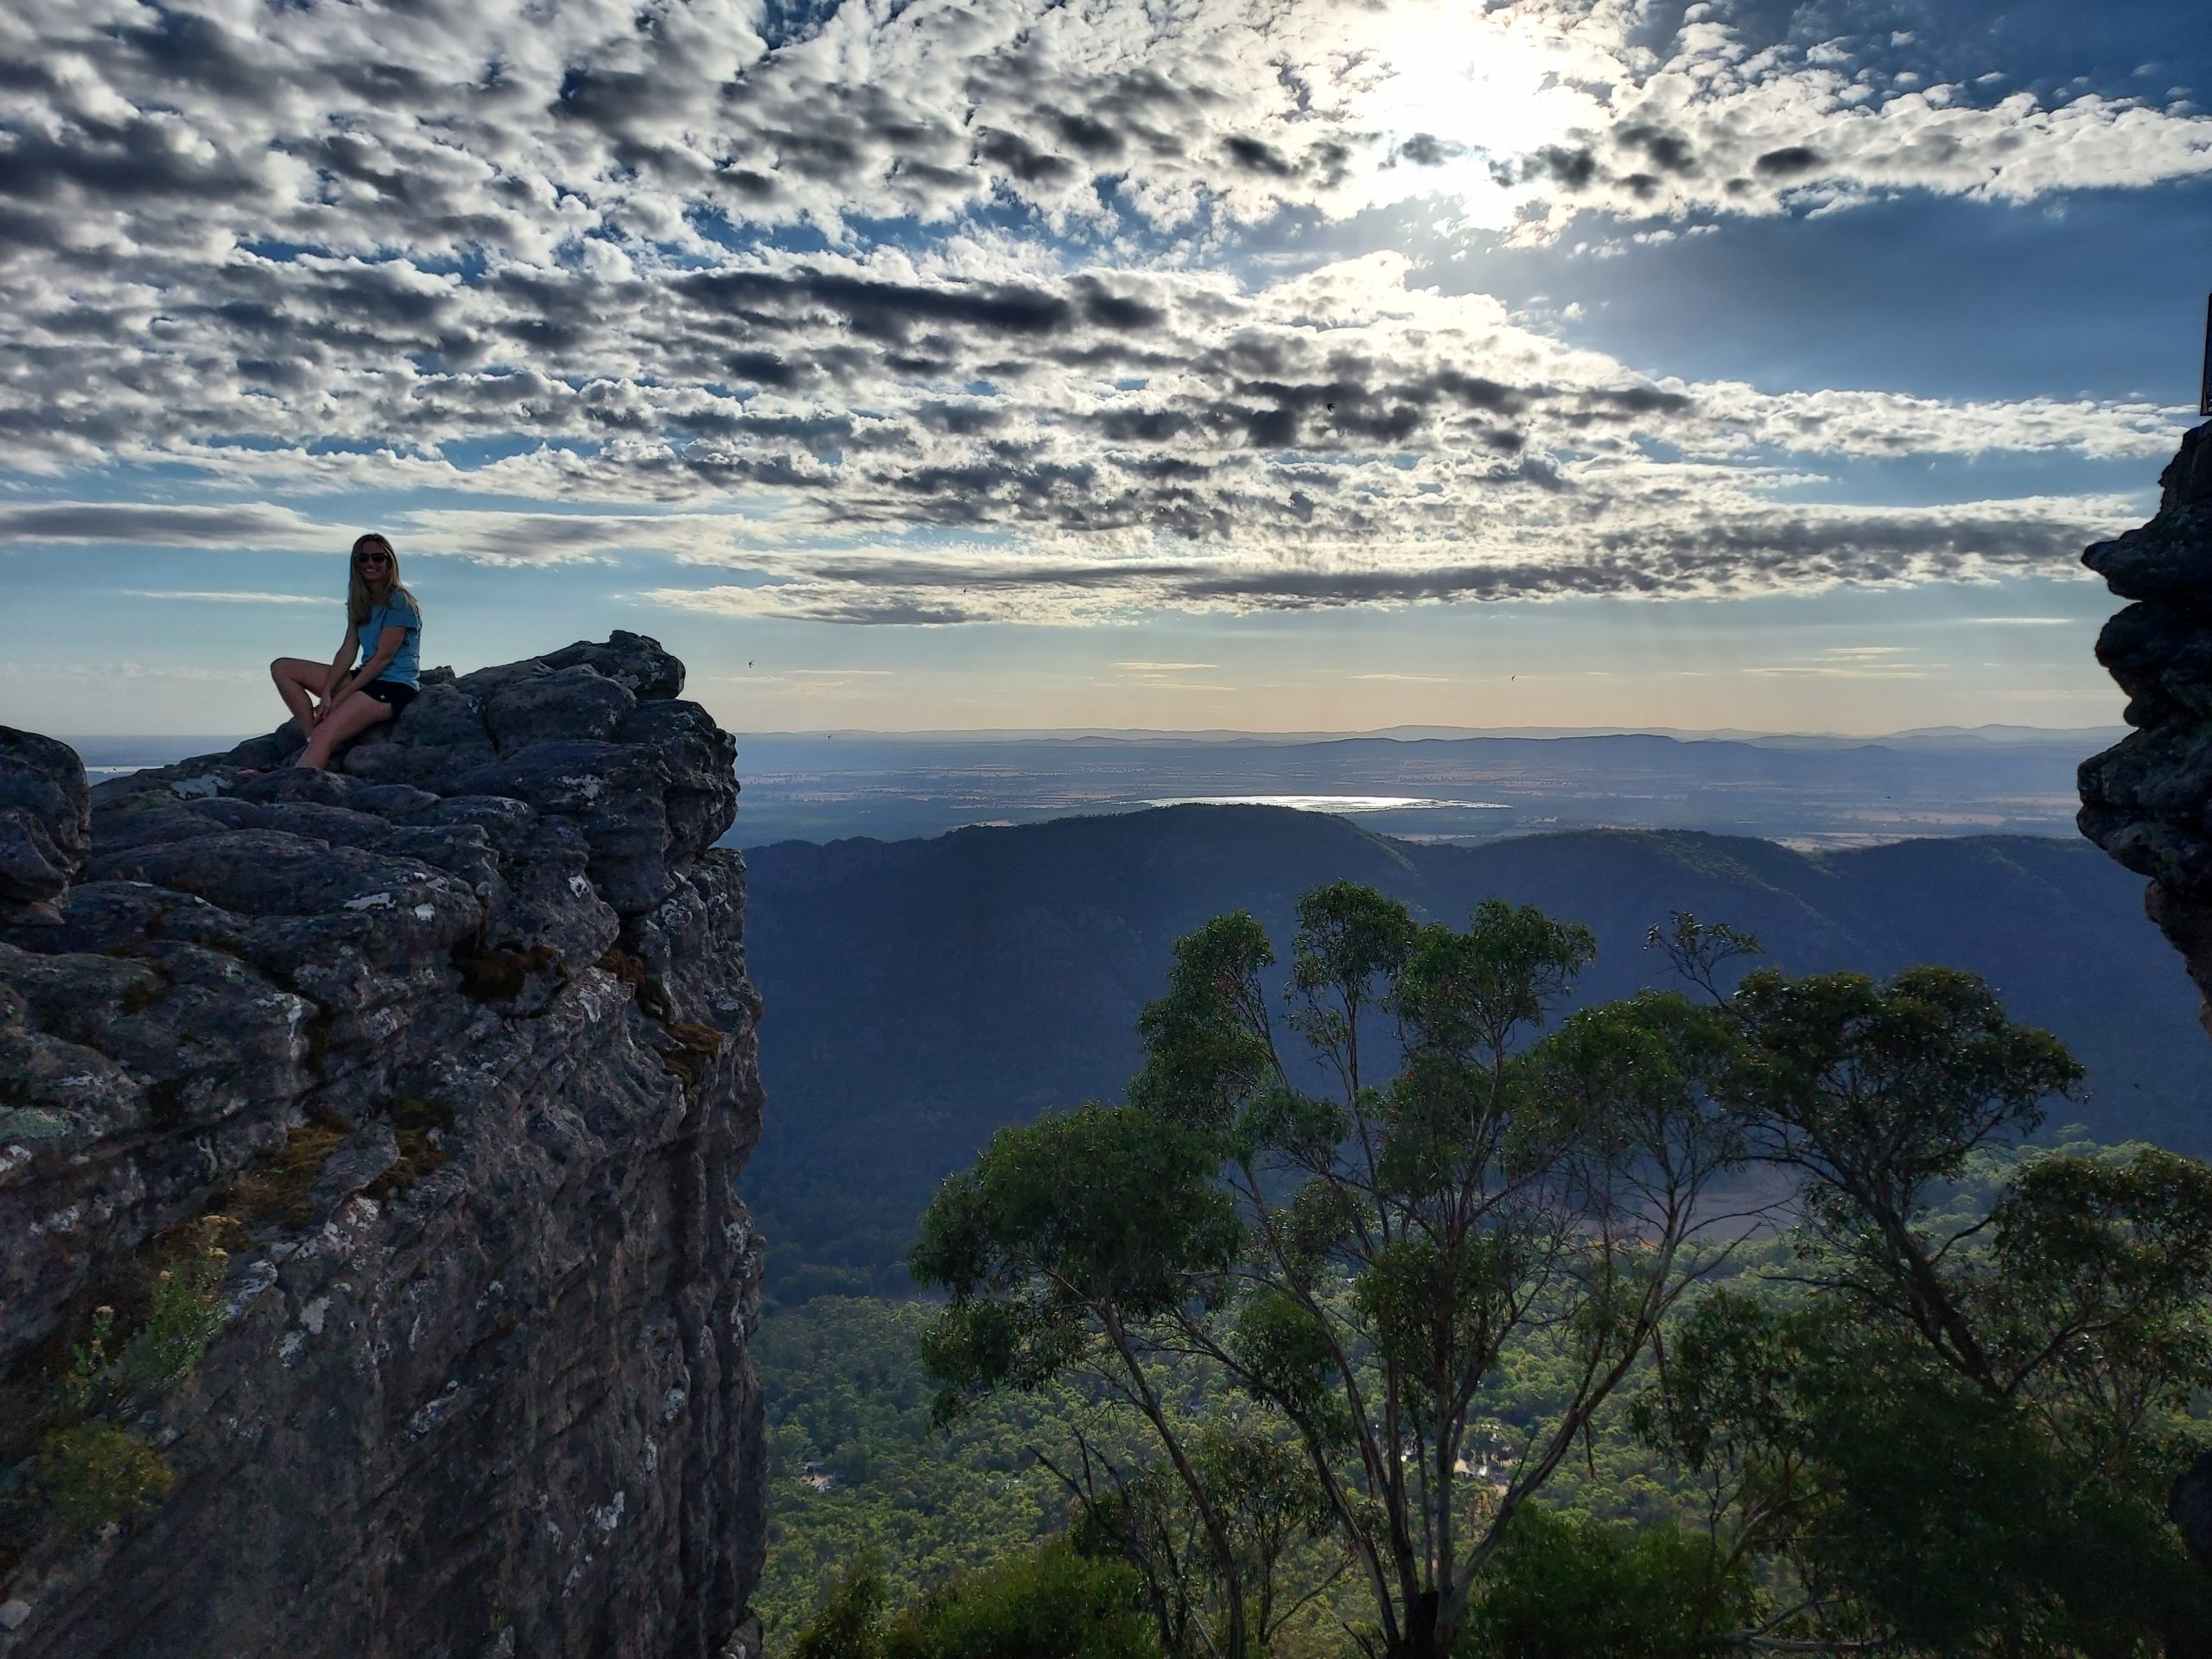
{"x":938,"y":315}
{"x":239,"y":524}
{"x":499,"y":127}
{"x":1678,"y":547}
{"x":1839,"y":671}
{"x":207,"y":597}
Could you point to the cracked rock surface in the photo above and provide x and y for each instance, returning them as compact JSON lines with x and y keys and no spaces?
{"x":457,"y":1047}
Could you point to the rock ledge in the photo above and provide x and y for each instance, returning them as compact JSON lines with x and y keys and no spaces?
{"x":2147,"y":801}
{"x":454,"y":1051}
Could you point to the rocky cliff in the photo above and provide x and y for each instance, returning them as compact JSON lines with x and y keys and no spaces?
{"x":2148,"y":800}
{"x":372,"y":1280}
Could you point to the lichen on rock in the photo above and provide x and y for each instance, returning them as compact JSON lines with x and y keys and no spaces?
{"x":480,"y":1184}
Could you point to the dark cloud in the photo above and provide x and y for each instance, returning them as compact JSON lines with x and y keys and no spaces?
{"x":765,"y":369}
{"x":1021,"y":159}
{"x":1258,"y":156}
{"x":138,"y":524}
{"x":122,"y":163}
{"x":1143,"y":425}
{"x":883,"y":311}
{"x":1121,"y":312}
{"x":1089,"y":134}
{"x":1788,"y":163}
{"x":1639,"y":400}
{"x":1426,"y":150}
{"x":1569,"y":169}
{"x":1670,"y":152}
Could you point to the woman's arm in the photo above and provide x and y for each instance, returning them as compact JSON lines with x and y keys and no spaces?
{"x":334,"y":682}
{"x":388,"y":644}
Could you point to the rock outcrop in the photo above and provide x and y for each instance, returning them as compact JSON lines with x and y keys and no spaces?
{"x":437,"y":1072}
{"x":2148,"y":800}
{"x":45,"y":826}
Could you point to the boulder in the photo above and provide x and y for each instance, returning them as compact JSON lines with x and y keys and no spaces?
{"x":45,"y":826}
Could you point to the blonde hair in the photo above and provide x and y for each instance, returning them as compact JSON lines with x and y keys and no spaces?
{"x":360,"y":598}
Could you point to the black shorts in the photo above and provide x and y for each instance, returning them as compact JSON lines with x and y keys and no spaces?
{"x":391,"y":693}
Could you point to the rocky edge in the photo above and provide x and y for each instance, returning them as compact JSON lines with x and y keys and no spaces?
{"x":453,"y":1052}
{"x":2148,"y":800}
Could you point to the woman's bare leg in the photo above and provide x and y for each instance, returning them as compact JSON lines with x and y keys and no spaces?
{"x":299,"y":682}
{"x":352,"y":716}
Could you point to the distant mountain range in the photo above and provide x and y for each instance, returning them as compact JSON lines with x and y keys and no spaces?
{"x":2095,"y":736}
{"x":1830,"y":791}
{"x":922,"y":993}
{"x":1419,"y":782}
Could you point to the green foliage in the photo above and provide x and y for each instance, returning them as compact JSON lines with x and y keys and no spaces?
{"x":1361,"y":1261}
{"x":1261,"y":1488}
{"x":1939,"y":1417}
{"x":1470,"y":994}
{"x":184,"y":1314}
{"x":857,"y":1469}
{"x":91,"y":1473}
{"x":1102,"y":1207}
{"x":81,"y":1383}
{"x":89,"y":1470}
{"x":1207,"y":1051}
{"x":1875,"y":1089}
{"x":849,"y":1624}
{"x":1951,"y":1418}
{"x":1567,"y":1587}
{"x":1048,"y":1603}
{"x":1913,"y":1507}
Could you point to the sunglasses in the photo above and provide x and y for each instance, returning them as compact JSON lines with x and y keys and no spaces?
{"x":372,"y":558}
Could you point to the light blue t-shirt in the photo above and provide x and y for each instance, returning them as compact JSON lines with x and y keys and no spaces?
{"x":394,"y":613}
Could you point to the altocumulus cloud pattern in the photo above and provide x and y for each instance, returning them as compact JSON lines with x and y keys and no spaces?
{"x":947,"y":312}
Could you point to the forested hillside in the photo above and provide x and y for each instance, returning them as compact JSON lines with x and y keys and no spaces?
{"x":922,"y":993}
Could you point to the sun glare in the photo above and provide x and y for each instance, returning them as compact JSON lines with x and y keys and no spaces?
{"x":1456,"y":95}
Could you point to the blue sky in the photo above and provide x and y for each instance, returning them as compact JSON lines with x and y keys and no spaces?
{"x":1256,"y":364}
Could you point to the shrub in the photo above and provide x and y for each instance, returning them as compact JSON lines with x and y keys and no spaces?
{"x":183,"y":1314}
{"x":93,"y":1473}
{"x":1050,"y":1603}
{"x":849,"y":1623}
{"x":1567,"y":1587}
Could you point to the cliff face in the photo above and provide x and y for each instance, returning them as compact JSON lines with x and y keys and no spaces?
{"x":2148,"y":800}
{"x":454,"y":1057}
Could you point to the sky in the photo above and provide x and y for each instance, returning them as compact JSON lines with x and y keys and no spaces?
{"x":1252,"y":364}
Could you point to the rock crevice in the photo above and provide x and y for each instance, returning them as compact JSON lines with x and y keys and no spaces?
{"x":454,"y":1050}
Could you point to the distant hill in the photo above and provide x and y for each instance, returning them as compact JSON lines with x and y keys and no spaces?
{"x":1813,"y":790}
{"x":922,"y":993}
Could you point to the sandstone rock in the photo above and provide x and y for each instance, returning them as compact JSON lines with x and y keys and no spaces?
{"x":460,"y":1041}
{"x":2148,"y":800}
{"x":44,"y":829}
{"x":2171,"y":556}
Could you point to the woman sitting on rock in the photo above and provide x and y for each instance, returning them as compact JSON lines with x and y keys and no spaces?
{"x":383,"y":628}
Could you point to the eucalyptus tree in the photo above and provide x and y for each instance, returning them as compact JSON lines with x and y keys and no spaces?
{"x":1947,"y":1423}
{"x":1355,"y":1201}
